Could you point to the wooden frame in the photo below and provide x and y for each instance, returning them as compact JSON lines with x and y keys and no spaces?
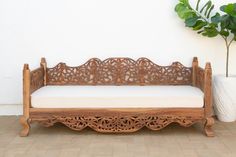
{"x":117,"y":71}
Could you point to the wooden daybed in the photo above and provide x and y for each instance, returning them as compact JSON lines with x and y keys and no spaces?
{"x":117,"y":95}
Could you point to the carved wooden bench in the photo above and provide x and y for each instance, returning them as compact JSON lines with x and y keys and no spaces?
{"x":149,"y":95}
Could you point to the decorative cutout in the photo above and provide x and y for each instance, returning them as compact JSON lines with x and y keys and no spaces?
{"x":36,"y":79}
{"x":153,"y":74}
{"x":116,"y":123}
{"x":65,"y":75}
{"x":200,"y":78}
{"x":119,"y":71}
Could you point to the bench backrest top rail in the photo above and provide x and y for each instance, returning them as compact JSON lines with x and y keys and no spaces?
{"x":119,"y":71}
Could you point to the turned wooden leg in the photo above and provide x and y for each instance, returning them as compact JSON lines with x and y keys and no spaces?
{"x":26,"y":126}
{"x":208,"y":126}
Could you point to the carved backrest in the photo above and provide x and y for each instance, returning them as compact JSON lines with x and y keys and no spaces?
{"x":119,"y":71}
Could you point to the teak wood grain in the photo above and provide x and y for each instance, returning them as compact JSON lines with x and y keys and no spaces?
{"x":117,"y":71}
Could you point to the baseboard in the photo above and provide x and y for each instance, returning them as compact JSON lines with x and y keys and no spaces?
{"x":11,"y":109}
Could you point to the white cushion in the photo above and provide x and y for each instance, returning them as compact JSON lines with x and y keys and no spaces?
{"x":117,"y":97}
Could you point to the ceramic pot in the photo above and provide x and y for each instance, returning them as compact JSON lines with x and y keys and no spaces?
{"x":224,"y":97}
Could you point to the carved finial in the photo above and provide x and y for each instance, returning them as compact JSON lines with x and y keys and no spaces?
{"x":208,"y":66}
{"x":195,"y":60}
{"x":195,"y":71}
{"x":43,"y":64}
{"x":43,"y":60}
{"x":26,"y":66}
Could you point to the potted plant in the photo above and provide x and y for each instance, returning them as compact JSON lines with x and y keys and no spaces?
{"x":202,"y":20}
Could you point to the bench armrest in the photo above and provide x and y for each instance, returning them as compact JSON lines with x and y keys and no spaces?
{"x":32,"y":81}
{"x":208,"y":90}
{"x":202,"y":78}
{"x":36,"y":79}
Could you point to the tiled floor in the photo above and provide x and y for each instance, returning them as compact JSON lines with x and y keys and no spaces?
{"x":59,"y":141}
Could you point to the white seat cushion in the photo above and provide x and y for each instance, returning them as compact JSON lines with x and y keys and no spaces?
{"x":117,"y":97}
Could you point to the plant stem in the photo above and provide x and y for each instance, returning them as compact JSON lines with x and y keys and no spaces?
{"x":228,"y":44}
{"x":227,"y":62}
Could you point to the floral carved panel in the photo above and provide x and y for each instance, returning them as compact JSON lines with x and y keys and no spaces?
{"x":85,"y":74}
{"x":200,"y":78}
{"x":153,"y":74}
{"x":36,"y":79}
{"x":119,"y":71}
{"x":116,"y":123}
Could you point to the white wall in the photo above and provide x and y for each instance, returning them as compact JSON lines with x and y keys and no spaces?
{"x":76,"y":30}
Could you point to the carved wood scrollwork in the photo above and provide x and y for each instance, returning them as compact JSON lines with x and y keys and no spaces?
{"x":153,"y":74}
{"x":36,"y":79}
{"x":200,"y":78}
{"x":119,"y":71}
{"x":115,"y":123}
{"x":63,"y":74}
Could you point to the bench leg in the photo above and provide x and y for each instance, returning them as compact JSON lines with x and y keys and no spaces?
{"x":208,"y":126}
{"x":26,"y":126}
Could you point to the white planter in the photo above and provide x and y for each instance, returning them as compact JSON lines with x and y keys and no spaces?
{"x":224,"y":98}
